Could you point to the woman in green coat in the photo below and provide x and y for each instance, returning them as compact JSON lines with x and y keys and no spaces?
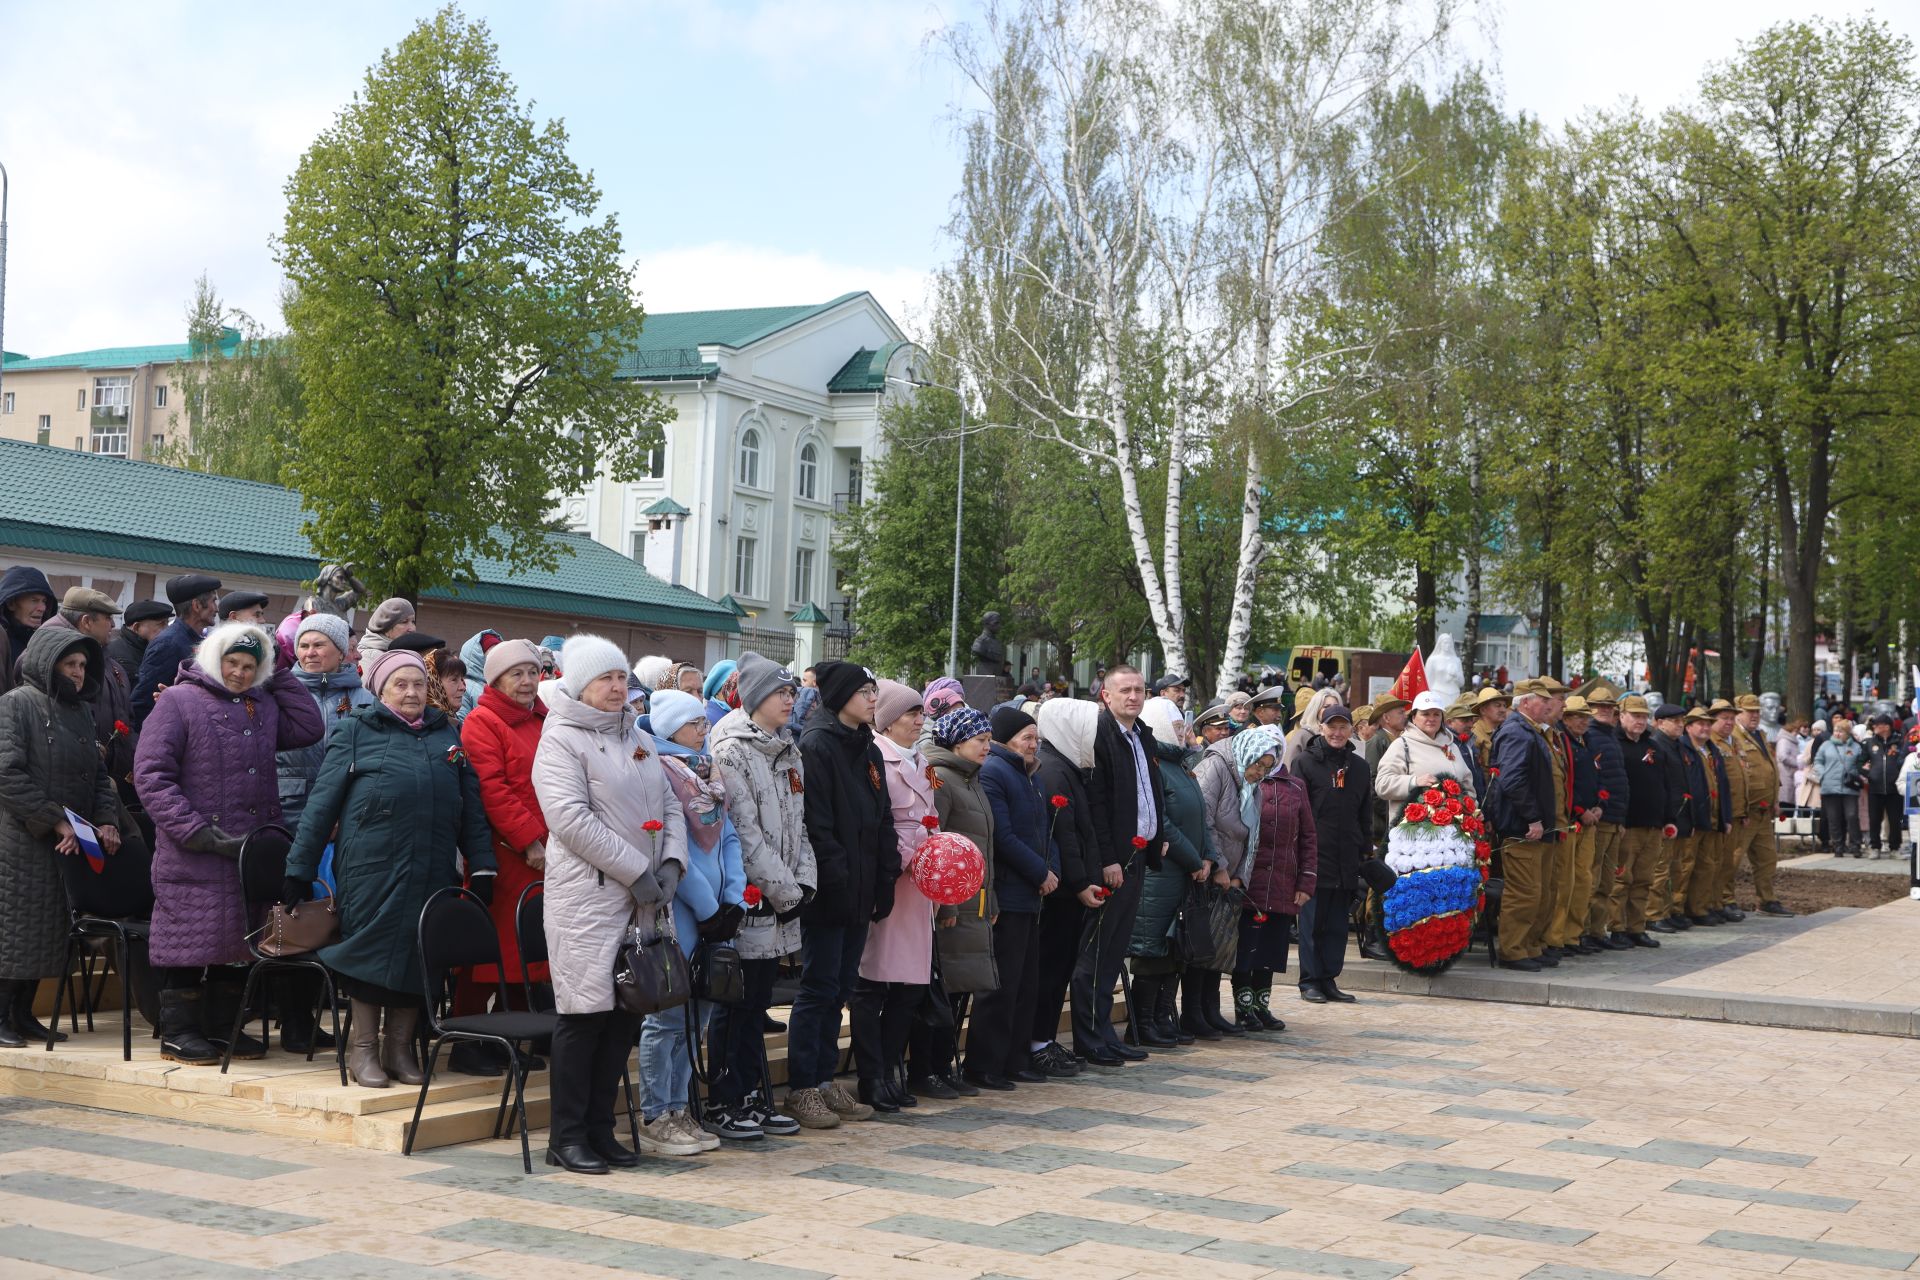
{"x":1189,"y":858}
{"x":398,"y":787}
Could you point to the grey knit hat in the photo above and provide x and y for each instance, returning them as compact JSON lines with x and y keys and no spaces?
{"x":759,"y":679}
{"x":332,"y":626}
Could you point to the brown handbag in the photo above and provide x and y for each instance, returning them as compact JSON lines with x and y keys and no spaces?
{"x":299,"y":929}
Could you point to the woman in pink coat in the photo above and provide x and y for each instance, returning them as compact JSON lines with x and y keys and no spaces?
{"x":897,"y":963}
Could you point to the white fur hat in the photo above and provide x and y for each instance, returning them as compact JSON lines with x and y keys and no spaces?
{"x":585,"y":658}
{"x":224,"y":638}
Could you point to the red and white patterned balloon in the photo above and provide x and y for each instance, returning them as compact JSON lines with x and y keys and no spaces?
{"x":949,"y":868}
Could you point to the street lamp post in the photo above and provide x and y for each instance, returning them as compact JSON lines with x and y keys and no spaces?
{"x":3,"y":275}
{"x":959,"y":507}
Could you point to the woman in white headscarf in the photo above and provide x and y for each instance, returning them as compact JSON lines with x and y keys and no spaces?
{"x":1067,"y":727}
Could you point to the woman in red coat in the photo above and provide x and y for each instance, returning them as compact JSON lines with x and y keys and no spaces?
{"x":500,"y":736}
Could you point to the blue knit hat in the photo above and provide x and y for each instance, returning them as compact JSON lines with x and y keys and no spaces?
{"x":717,"y":678}
{"x":955,"y":727}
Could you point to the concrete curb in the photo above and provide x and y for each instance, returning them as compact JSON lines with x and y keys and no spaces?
{"x":1467,"y":981}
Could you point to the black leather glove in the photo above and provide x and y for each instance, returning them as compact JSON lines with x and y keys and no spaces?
{"x":723,"y":924}
{"x":883,"y":900}
{"x":764,"y":907}
{"x":481,"y":885}
{"x":211,"y":839}
{"x":806,"y":898}
{"x":295,"y":890}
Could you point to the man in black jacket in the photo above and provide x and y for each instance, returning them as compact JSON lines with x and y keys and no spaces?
{"x":850,"y":825}
{"x":1670,"y":745}
{"x":142,"y":621}
{"x":1886,"y":807}
{"x":1340,"y":790}
{"x":195,"y":598}
{"x":1127,"y":802}
{"x":1647,"y":824}
{"x":1603,"y":740}
{"x":1524,"y":810}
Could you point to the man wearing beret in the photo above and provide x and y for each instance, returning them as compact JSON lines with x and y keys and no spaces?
{"x":196,"y":599}
{"x":139,"y":624}
{"x":1763,"y":783}
{"x":1522,"y":808}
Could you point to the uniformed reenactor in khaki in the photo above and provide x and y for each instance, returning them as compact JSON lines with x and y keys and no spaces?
{"x":1763,"y":783}
{"x":1636,"y":900}
{"x":1699,"y":882}
{"x":1491,"y":707}
{"x":1734,"y":839}
{"x":1570,"y":928}
{"x":1556,"y":894}
{"x":1603,"y":916}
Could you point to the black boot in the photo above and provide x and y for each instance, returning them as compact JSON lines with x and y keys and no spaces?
{"x":1210,"y":1002}
{"x":222,"y":1002}
{"x":1165,"y":1017}
{"x":1373,"y":943}
{"x":299,"y":1031}
{"x":10,"y":1037}
{"x":1262,"y":984}
{"x":182,"y":1038}
{"x":23,"y":1022}
{"x":1193,"y":1005}
{"x":1246,"y":1013}
{"x":877,"y":1094}
{"x":1142,"y":1027}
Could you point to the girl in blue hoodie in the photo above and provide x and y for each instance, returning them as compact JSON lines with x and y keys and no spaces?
{"x":706,"y":905}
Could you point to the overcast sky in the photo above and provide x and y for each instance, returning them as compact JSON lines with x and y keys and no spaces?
{"x":755,"y":151}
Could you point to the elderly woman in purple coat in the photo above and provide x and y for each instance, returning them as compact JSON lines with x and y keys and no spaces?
{"x":205,"y":772}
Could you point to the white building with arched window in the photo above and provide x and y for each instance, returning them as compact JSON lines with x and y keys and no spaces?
{"x":776,"y":413}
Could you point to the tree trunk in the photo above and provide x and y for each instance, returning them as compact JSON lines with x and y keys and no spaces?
{"x":1426,"y":592}
{"x":1470,"y":642}
{"x":1760,"y":640}
{"x":1246,"y":574}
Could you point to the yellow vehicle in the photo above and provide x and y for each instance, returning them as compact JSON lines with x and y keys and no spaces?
{"x":1359,"y":666}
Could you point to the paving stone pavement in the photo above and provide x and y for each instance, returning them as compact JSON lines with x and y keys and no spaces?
{"x":1436,"y":1139}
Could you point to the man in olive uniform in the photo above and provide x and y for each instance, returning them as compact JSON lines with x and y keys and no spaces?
{"x":1459,"y":722}
{"x":1707,"y":786}
{"x":1649,"y":826}
{"x":1569,"y":931}
{"x":1521,"y":809}
{"x":1557,"y":867}
{"x":1739,"y":803}
{"x":1490,"y":707}
{"x":1667,"y":908}
{"x":1756,"y":760}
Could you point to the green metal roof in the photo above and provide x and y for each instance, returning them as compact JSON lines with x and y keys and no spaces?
{"x":809,"y":612}
{"x":867,"y":371}
{"x":119,"y":357}
{"x":666,"y":507}
{"x":67,"y":502}
{"x":12,"y":357}
{"x":733,"y":606}
{"x":670,"y":341}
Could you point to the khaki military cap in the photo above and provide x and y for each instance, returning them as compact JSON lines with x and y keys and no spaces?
{"x":1301,"y":697}
{"x":1538,"y":686}
{"x":1747,"y":702}
{"x":1387,"y":702}
{"x":1490,"y":694}
{"x":1603,"y":695}
{"x":1553,"y":686}
{"x":1576,"y":706}
{"x":1363,"y":714}
{"x":1700,"y":713}
{"x":1462,"y":709}
{"x":87,"y":600}
{"x":1719,"y":705}
{"x":1635,"y":703}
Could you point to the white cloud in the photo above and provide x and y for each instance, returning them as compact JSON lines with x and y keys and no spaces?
{"x":720,"y":275}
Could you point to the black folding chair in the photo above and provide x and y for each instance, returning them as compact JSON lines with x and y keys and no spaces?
{"x":263,"y":869}
{"x":112,"y":906}
{"x":530,"y":937}
{"x":456,"y":932}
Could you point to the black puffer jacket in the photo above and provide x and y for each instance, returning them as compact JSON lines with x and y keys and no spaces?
{"x":1341,"y":793}
{"x":48,"y":763}
{"x":1673,"y":754}
{"x":1651,"y":799}
{"x":1609,"y":759}
{"x":849,"y":823}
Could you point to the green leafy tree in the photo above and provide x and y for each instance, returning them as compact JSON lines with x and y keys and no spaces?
{"x":460,"y":315}
{"x":239,"y":393}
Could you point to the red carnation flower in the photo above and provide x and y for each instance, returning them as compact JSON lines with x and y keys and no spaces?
{"x":1259,"y":917}
{"x":1466,"y":803}
{"x":653,"y":826}
{"x":1482,"y":849}
{"x":1432,"y":795}
{"x":120,"y":727}
{"x":751,"y":895}
{"x":1451,"y":787}
{"x":930,"y":822}
{"x":1416,"y":812}
{"x":1139,"y":842}
{"x":1059,"y":802}
{"x":1605,"y":794}
{"x":1102,"y":892}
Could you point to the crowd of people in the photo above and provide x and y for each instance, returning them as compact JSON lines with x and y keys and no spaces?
{"x":782,"y":815}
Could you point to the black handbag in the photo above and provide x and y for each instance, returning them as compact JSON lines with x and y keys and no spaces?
{"x":1193,"y":928}
{"x":718,"y":977}
{"x":650,"y":973}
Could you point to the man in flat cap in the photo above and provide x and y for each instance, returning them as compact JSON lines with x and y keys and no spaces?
{"x":1173,"y":688}
{"x":1755,"y":760}
{"x":140,"y":622}
{"x":244,"y":606}
{"x":1522,"y":808}
{"x":195,"y":598}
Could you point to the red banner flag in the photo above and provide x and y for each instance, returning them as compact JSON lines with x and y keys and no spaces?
{"x":1413,"y":678}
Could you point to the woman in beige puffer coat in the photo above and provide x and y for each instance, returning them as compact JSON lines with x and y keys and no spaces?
{"x":600,"y":784}
{"x":1423,"y":756}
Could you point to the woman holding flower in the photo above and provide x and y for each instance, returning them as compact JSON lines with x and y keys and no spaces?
{"x":616,"y":851}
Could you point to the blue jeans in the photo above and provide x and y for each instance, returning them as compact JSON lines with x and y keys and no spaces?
{"x":829,"y":966}
{"x":666,"y":1060}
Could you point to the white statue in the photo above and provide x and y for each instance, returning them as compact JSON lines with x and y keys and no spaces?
{"x":1445,"y":676}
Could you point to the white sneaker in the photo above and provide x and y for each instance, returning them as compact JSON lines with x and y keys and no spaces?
{"x":660,"y":1136}
{"x":684,"y":1122}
